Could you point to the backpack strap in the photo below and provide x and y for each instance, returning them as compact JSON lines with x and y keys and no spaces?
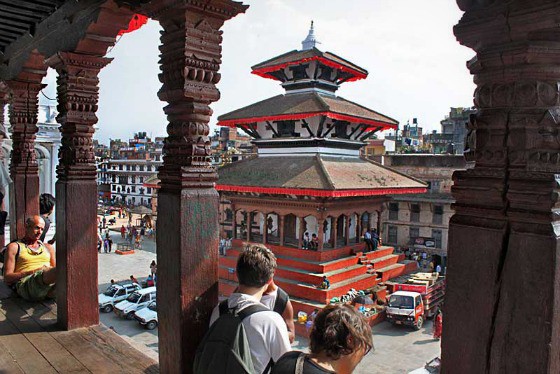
{"x":255,"y":308}
{"x":282,"y":299}
{"x":299,"y":363}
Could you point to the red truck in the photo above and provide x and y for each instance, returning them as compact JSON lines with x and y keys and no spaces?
{"x":411,"y":304}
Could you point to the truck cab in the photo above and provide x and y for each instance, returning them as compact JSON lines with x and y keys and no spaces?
{"x":406,"y":308}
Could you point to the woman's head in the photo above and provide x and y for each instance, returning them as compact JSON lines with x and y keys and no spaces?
{"x":46,"y":204}
{"x":340,"y":330}
{"x":153,"y":263}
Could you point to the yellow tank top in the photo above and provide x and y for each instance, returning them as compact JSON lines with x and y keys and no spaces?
{"x":27,"y":261}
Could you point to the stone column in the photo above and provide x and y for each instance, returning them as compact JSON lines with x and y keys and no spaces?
{"x":76,"y":188}
{"x":281,"y":228}
{"x":502,"y":311}
{"x":188,"y":202}
{"x":24,"y":170}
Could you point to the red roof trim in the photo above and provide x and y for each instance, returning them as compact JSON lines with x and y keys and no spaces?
{"x":263,"y":72}
{"x":320,"y":193}
{"x":284,"y":117}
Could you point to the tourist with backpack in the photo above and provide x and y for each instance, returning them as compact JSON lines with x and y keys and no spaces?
{"x":278,"y":300}
{"x":244,"y":335}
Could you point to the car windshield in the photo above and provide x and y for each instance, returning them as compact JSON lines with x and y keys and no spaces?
{"x":134,"y":297}
{"x":110,"y":291}
{"x":153,"y":307}
{"x":399,"y":301}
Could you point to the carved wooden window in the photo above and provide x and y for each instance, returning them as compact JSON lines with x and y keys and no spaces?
{"x":413,"y":234}
{"x":394,"y":211}
{"x":392,"y":234}
{"x":299,"y":72}
{"x":149,"y":190}
{"x":415,"y":213}
{"x":436,"y":234}
{"x":438,"y":214}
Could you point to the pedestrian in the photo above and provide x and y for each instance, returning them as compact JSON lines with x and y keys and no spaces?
{"x":339,"y":339}
{"x":46,"y":208}
{"x":306,"y":241}
{"x":112,"y":281}
{"x":368,"y":241}
{"x":134,"y":280}
{"x":438,"y":324}
{"x":109,"y":243}
{"x":153,"y":268}
{"x":123,"y":231}
{"x":259,"y":330}
{"x":222,"y":247}
{"x":314,"y":242}
{"x":325,"y":283}
{"x":106,"y":244}
{"x":438,"y":269}
{"x":375,"y":239}
{"x":104,"y":221}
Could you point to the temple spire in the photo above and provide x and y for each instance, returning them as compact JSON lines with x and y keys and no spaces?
{"x":310,"y":41}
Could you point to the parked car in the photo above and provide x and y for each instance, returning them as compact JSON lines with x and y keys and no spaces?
{"x":148,"y":316}
{"x":114,"y":294}
{"x":136,"y":301}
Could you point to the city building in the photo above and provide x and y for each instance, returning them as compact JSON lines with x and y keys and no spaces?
{"x":121,"y":178}
{"x":308,"y":177}
{"x":454,"y":126}
{"x":421,"y":220}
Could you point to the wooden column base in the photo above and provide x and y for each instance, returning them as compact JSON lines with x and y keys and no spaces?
{"x":24,"y":202}
{"x":187,"y":273}
{"x":76,"y":257}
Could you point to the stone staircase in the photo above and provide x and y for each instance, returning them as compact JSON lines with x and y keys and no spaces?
{"x":299,"y":272}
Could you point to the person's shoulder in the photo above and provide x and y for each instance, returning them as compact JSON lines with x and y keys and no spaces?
{"x":286,"y":363}
{"x":13,"y":246}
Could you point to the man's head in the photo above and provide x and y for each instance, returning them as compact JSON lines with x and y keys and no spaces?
{"x":255,"y":266}
{"x":34,"y":227}
{"x":46,"y":204}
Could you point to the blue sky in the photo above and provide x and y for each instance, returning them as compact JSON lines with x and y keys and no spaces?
{"x":416,"y":67}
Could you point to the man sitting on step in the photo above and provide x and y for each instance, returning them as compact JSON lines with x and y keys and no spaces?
{"x":30,"y":266}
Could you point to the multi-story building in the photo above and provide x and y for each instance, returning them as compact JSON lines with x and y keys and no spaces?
{"x":121,"y":177}
{"x":421,"y":220}
{"x":454,"y":126}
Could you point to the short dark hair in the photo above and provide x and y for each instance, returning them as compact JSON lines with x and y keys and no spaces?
{"x":46,"y":203}
{"x":255,"y":266}
{"x":338,"y":330}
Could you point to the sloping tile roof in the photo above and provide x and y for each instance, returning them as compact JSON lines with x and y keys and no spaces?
{"x":301,"y":105}
{"x":318,"y":175}
{"x":296,"y":57}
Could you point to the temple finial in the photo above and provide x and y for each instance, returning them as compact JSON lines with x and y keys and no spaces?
{"x":311,"y":41}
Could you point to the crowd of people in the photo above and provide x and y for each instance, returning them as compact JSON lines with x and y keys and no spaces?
{"x":340,"y":336}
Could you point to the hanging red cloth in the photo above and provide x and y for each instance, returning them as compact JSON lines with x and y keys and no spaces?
{"x":135,"y":23}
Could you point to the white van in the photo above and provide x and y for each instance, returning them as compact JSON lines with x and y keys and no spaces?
{"x":114,"y":294}
{"x":148,"y":316}
{"x":136,"y":301}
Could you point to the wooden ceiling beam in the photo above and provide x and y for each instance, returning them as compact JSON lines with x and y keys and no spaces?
{"x":26,"y":6}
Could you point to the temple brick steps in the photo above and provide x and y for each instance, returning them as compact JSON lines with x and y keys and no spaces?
{"x":300,"y":272}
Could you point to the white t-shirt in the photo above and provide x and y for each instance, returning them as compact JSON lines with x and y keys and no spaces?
{"x":267,"y":333}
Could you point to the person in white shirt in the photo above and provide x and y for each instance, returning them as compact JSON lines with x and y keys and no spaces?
{"x":266,"y":331}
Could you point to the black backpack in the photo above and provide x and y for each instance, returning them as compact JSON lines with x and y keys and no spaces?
{"x":224,"y":348}
{"x":281,"y":301}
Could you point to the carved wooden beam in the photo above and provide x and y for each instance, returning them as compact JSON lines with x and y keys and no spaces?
{"x":305,"y":125}
{"x":270,"y":127}
{"x":320,"y":127}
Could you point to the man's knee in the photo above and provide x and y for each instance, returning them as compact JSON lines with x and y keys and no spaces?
{"x":49,"y":275}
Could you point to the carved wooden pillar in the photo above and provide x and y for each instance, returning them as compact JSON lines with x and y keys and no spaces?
{"x":301,"y":232}
{"x":234,"y":224}
{"x":502,"y":313}
{"x":249,"y":225}
{"x":347,"y":230}
{"x":281,"y":228}
{"x":320,"y":233}
{"x":24,"y":170}
{"x":265,"y":229}
{"x":188,"y":202}
{"x":334,"y":230}
{"x":76,"y":188}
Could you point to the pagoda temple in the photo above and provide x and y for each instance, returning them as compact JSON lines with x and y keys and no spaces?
{"x":308,"y":177}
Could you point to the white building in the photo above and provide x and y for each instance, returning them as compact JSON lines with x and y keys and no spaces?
{"x":126,"y":178}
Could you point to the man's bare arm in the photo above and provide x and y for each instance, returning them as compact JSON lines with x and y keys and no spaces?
{"x":53,"y":255}
{"x":288,"y":316}
{"x":11,"y":277}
